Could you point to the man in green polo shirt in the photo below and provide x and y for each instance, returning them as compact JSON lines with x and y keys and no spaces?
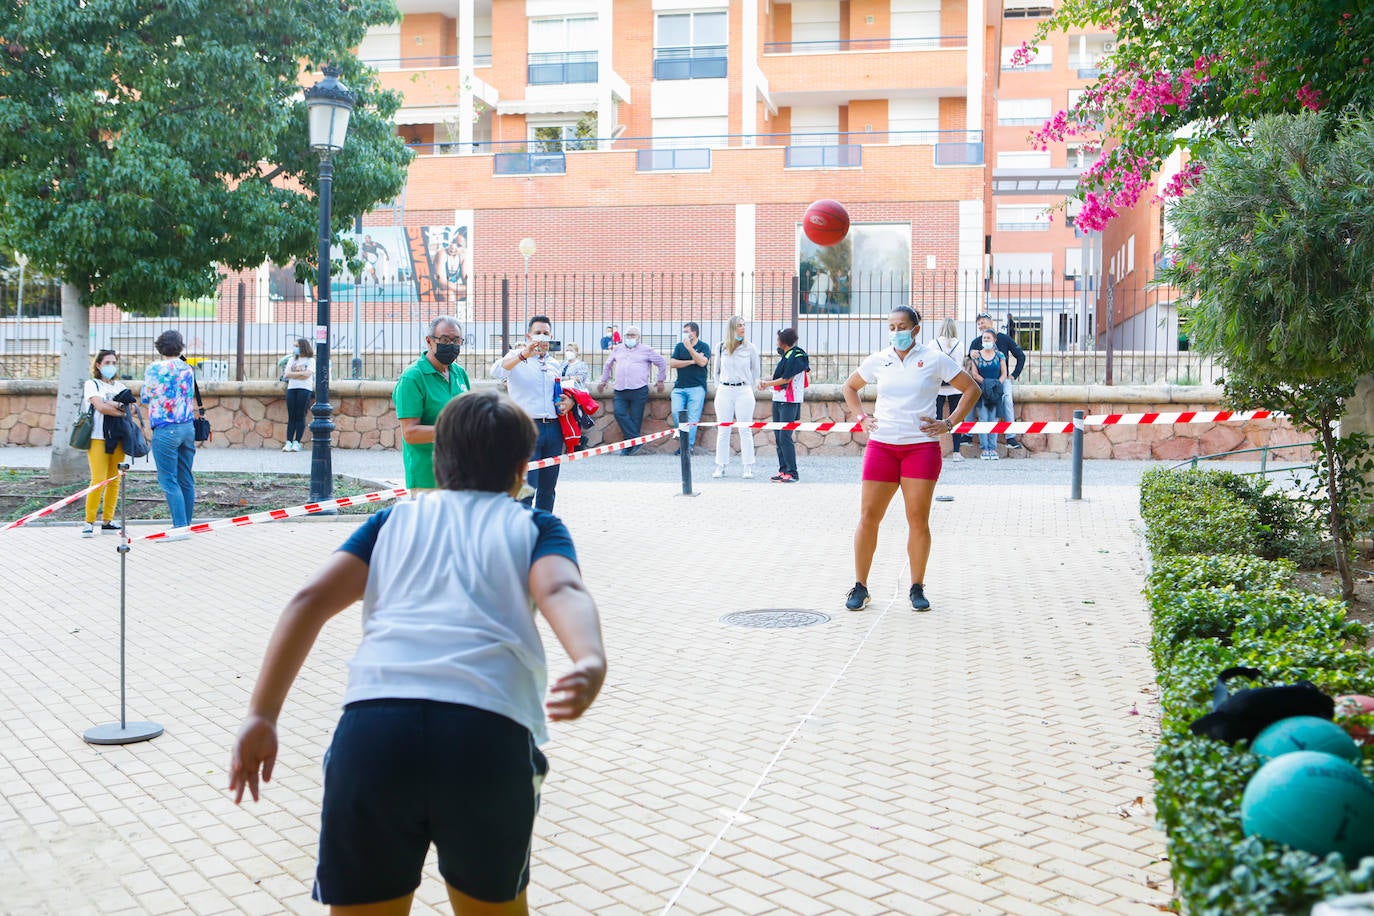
{"x":422,"y":391}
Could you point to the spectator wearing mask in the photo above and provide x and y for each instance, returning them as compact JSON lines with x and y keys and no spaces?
{"x":632,"y":362}
{"x":575,"y":372}
{"x":531,"y":377}
{"x":990,"y":369}
{"x":99,"y":392}
{"x":737,"y":372}
{"x":690,"y":358}
{"x":422,"y":391}
{"x":788,"y":384}
{"x":1010,"y":350}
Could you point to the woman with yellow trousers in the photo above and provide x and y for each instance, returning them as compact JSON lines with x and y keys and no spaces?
{"x":99,"y":393}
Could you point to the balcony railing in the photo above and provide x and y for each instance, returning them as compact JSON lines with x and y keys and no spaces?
{"x":829,"y":149}
{"x":706,"y":62}
{"x":920,"y":43}
{"x":837,"y":156}
{"x":673,"y":160}
{"x":1028,"y":121}
{"x":1038,"y":225}
{"x":530,"y":163}
{"x":424,"y":63}
{"x":555,"y":68}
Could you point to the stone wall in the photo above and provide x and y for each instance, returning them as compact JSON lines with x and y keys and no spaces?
{"x":253,"y":415}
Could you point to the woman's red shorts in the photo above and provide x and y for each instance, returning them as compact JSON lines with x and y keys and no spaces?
{"x":890,"y":463}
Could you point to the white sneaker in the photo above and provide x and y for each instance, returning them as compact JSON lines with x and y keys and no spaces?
{"x":296,"y":446}
{"x":956,"y":457}
{"x":748,"y":472}
{"x":993,"y":456}
{"x":88,"y":531}
{"x":719,"y":471}
{"x":287,"y":446}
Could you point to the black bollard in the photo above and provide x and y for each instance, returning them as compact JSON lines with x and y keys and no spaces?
{"x":684,"y":452}
{"x":1076,"y":486}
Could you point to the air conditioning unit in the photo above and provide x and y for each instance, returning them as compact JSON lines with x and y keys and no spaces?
{"x":1108,"y":47}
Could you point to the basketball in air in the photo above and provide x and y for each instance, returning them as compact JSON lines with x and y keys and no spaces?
{"x":826,"y":223}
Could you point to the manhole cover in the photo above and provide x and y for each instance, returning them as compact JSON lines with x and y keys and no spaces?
{"x":775,"y":618}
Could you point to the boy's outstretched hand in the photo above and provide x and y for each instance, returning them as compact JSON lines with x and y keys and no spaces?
{"x":256,"y":747}
{"x":572,"y":693}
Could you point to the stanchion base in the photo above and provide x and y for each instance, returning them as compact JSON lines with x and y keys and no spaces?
{"x":131,"y":733}
{"x":694,"y":493}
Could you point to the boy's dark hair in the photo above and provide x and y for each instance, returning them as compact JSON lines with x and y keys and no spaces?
{"x":170,"y":343}
{"x":787,"y":337}
{"x":696,"y":328}
{"x":538,"y":318}
{"x":480,"y":440}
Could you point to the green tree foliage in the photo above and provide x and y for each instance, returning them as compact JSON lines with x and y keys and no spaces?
{"x":1276,"y":255}
{"x":144,"y":142}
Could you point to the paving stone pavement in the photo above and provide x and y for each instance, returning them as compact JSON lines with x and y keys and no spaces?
{"x":984,"y":758}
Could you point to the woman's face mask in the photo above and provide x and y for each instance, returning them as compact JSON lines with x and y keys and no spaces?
{"x":108,"y":370}
{"x":989,"y":343}
{"x":901,"y":340}
{"x":631,"y":342}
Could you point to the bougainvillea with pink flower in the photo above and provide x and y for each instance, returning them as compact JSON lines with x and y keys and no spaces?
{"x":1186,"y":73}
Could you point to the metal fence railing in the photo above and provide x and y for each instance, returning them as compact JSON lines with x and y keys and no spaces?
{"x":840,"y":315}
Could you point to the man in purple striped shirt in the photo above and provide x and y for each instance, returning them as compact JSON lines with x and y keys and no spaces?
{"x":632,"y":361}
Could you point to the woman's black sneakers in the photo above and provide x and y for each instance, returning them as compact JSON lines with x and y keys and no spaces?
{"x":918,"y":598}
{"x":857,"y":599}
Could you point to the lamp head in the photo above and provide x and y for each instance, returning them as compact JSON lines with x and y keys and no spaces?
{"x":329,"y":103}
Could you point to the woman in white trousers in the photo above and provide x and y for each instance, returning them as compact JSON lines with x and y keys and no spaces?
{"x":737,"y":375}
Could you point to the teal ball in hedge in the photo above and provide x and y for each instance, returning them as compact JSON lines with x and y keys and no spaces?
{"x":1304,"y":733}
{"x":1311,"y":801}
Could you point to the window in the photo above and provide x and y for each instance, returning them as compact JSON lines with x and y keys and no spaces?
{"x":1043,"y":59}
{"x":690,"y":46}
{"x":680,"y":133}
{"x":1024,"y":267}
{"x":562,"y":51}
{"x":815,"y":25}
{"x":381,"y":47}
{"x":1026,"y":9}
{"x":913,"y":120}
{"x":1073,"y":262}
{"x":915,"y":24}
{"x":1026,"y":159}
{"x":1028,"y":331}
{"x":1023,"y":112}
{"x":815,"y":125}
{"x":1083,"y":155}
{"x":1022,"y":218}
{"x":1130,"y":253}
{"x":555,"y":138}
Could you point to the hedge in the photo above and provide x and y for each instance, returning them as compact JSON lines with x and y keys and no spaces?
{"x":1209,"y":613}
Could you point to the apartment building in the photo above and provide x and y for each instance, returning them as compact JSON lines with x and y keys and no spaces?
{"x":636,"y":136}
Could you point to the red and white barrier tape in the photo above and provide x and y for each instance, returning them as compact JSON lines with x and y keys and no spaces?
{"x":601,"y":449}
{"x":275,"y":515}
{"x":49,"y":510}
{"x":1025,"y":426}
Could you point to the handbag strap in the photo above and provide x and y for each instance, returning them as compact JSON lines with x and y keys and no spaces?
{"x":196,"y":385}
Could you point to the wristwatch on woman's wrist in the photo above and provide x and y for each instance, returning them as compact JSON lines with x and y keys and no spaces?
{"x":949,"y":423}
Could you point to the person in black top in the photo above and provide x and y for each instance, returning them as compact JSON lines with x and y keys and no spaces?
{"x":788,"y":385}
{"x":690,"y":358}
{"x":1013,"y":352}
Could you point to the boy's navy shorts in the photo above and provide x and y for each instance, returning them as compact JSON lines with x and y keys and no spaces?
{"x":401,"y":774}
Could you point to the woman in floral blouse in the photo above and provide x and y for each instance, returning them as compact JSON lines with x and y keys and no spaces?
{"x":169,"y":390}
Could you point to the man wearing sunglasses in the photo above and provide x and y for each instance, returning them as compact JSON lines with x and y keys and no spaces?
{"x":422,"y":391}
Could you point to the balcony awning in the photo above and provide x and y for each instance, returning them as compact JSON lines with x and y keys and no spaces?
{"x":545,"y":106}
{"x":1034,"y":182}
{"x":427,"y":114}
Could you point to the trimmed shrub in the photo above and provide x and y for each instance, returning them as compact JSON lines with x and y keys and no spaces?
{"x":1215,"y":612}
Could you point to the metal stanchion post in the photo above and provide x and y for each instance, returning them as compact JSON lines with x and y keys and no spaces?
{"x":684,"y":453}
{"x":124,"y":732}
{"x":1076,"y":487}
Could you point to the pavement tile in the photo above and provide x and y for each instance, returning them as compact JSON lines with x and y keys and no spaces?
{"x":970,"y":760}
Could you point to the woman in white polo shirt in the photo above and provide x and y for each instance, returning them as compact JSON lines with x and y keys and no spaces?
{"x":903,"y":448}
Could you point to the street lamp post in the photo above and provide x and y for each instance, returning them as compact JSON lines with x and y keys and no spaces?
{"x":328,"y":104}
{"x":527,"y":250}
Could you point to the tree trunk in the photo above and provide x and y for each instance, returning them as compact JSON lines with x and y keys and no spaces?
{"x":1339,"y":535}
{"x":69,"y":465}
{"x":1359,"y":418}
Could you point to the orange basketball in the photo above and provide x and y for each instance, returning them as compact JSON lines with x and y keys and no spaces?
{"x":826,"y":223}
